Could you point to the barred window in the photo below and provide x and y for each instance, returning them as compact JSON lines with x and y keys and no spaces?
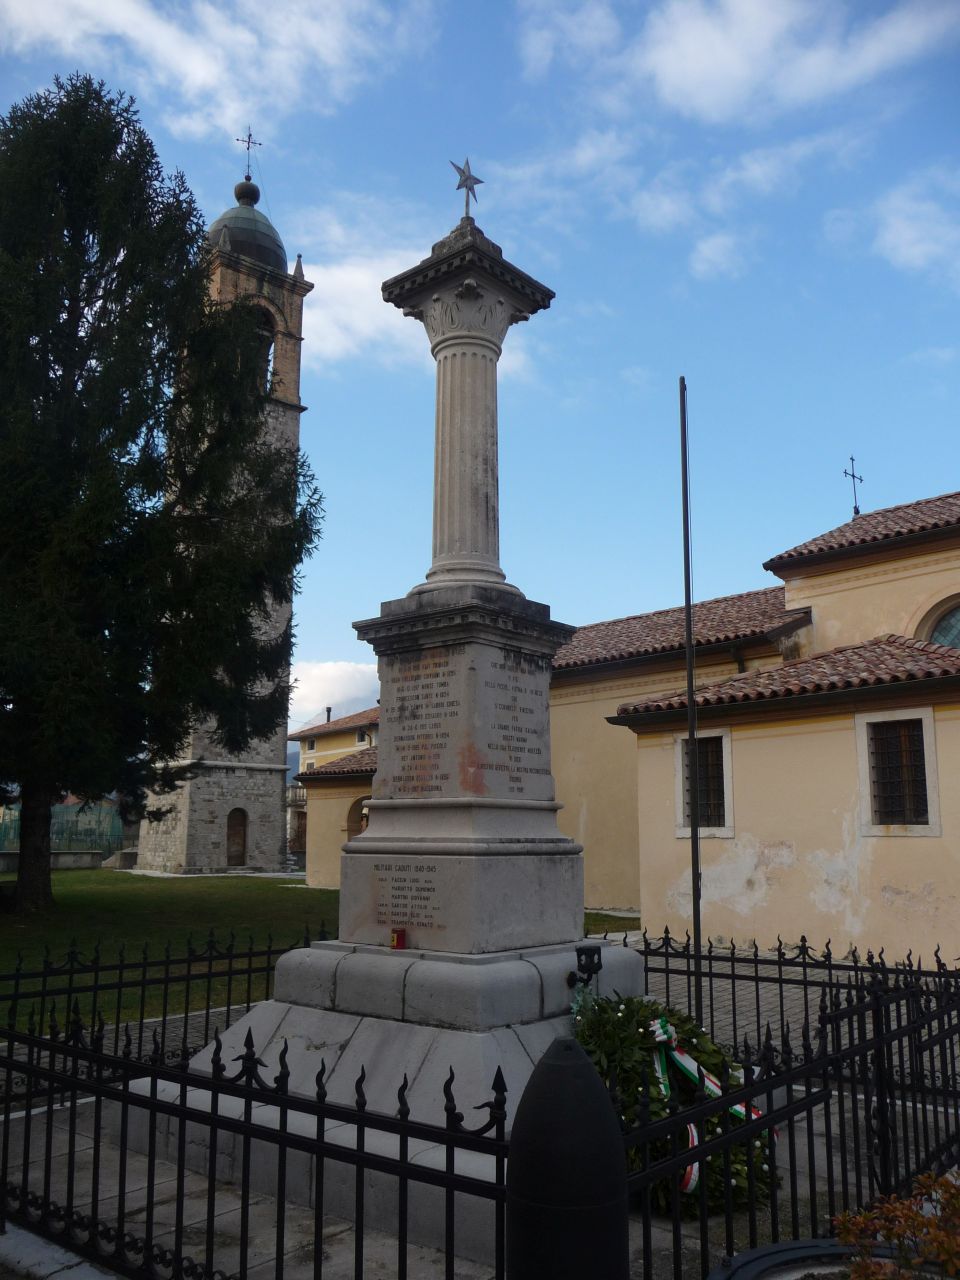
{"x":898,"y":775}
{"x":710,"y":789}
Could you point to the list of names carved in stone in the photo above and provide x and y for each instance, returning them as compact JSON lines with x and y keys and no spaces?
{"x":407,"y":895}
{"x":422,"y":713}
{"x":516,"y":688}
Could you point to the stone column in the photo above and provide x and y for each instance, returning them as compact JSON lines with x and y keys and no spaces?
{"x":466,"y":325}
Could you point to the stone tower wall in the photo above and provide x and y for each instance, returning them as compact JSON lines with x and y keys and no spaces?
{"x":192,"y":836}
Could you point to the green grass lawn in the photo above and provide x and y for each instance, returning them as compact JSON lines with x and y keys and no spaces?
{"x":112,"y":907}
{"x":116,"y":909}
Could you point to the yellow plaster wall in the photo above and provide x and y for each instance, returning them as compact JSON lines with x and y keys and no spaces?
{"x":331,"y":746}
{"x":861,"y":600}
{"x":327,"y":809}
{"x":595,"y":771}
{"x":797,"y":862}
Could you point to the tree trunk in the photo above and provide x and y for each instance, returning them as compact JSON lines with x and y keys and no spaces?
{"x":34,"y":891}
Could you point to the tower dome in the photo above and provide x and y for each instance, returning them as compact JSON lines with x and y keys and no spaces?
{"x":248,"y":231}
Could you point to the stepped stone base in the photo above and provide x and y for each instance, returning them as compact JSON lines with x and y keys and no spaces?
{"x":419,"y":1013}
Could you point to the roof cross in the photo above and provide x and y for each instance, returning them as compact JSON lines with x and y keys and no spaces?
{"x":248,"y":142}
{"x":854,"y":478}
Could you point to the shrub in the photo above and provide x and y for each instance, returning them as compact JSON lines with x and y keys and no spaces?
{"x":923,"y":1227}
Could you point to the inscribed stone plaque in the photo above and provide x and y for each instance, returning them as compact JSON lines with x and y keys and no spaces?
{"x":464,"y":719}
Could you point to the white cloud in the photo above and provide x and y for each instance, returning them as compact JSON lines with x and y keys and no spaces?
{"x":217,"y":64}
{"x":936,"y":357}
{"x":554,"y":187}
{"x":718,"y":254}
{"x":918,"y":224}
{"x":769,"y":171}
{"x":584,"y":28}
{"x":344,"y":686}
{"x":663,"y":204}
{"x":720,"y":61}
{"x":705,"y":60}
{"x":725,"y":60}
{"x":346,"y":316}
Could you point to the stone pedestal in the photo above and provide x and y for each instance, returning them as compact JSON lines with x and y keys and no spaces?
{"x":462,"y":850}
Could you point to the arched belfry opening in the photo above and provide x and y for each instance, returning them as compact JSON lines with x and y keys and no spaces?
{"x":266,"y":332}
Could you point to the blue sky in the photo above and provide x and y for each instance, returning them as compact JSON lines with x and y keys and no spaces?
{"x":761,"y":195}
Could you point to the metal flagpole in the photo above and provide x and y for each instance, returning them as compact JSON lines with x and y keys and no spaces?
{"x":692,"y":754}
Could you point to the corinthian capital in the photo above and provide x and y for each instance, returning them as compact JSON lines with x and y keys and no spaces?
{"x":467,"y":311}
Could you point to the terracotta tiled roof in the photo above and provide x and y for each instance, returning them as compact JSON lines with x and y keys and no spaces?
{"x":358,"y":763}
{"x":865,"y":531}
{"x":887,"y":660}
{"x":359,"y":720}
{"x":728,"y":618}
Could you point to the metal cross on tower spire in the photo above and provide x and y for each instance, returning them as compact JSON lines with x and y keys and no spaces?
{"x":248,"y":142}
{"x":854,"y":478}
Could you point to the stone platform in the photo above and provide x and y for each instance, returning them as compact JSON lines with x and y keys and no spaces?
{"x":415,"y":1013}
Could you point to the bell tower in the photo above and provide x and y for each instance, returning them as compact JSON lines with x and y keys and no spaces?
{"x":231,"y":814}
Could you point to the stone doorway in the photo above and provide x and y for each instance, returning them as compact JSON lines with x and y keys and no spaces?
{"x":237,"y":838}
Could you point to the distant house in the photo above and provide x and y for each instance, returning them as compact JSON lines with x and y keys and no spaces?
{"x":338,"y":759}
{"x":828,"y":794}
{"x":328,"y":739}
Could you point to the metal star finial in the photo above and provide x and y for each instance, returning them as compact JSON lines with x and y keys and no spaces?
{"x":469,"y":182}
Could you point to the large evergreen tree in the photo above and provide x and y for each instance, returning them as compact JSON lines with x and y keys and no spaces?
{"x":147,"y":526}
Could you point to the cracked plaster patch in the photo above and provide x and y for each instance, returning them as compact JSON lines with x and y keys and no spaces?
{"x":741,"y":879}
{"x":839,"y":887}
{"x":926,"y":903}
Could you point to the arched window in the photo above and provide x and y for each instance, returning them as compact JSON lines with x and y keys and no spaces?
{"x":947,"y":629}
{"x":267,"y":332}
{"x":237,"y":838}
{"x":357,"y":817}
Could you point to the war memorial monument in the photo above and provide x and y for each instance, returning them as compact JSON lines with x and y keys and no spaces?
{"x":461,"y":903}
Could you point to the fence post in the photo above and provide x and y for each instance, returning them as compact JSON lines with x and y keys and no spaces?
{"x":567,"y":1175}
{"x":882,"y":1117}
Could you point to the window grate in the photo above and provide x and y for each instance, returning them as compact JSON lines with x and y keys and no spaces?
{"x":898,"y":775}
{"x":710,"y":780}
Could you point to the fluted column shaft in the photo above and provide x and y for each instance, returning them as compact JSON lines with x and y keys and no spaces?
{"x":466,"y":523}
{"x":466,"y":326}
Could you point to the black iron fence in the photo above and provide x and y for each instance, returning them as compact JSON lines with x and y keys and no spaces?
{"x":180,"y":995}
{"x":160,"y":1170}
{"x":847,"y":1084}
{"x":819,"y":1120}
{"x":746,"y":988}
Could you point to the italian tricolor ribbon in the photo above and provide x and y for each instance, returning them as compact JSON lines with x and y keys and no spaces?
{"x":666,"y":1037}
